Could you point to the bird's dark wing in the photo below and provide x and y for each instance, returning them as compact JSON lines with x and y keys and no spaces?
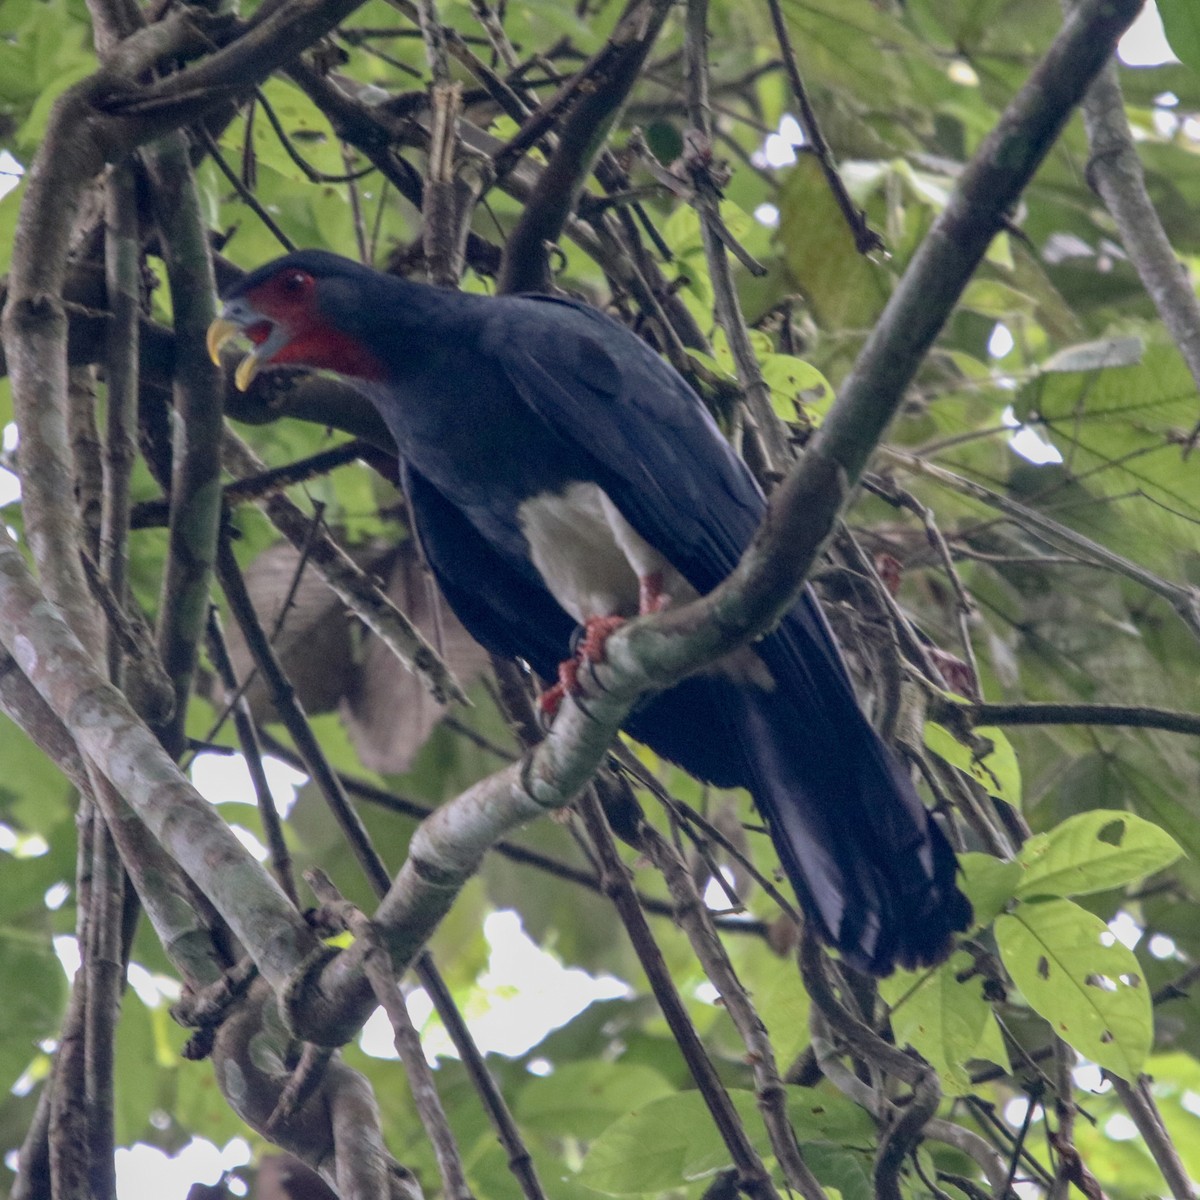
{"x":499,"y":607}
{"x":663,"y":462}
{"x":856,"y":842}
{"x":660,"y":455}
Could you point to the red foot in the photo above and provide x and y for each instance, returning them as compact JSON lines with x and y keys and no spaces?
{"x":568,"y":685}
{"x":596,"y":631}
{"x":550,"y":701}
{"x":651,"y":597}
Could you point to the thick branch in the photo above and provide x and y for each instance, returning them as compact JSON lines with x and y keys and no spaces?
{"x":1115,"y":171}
{"x":526,"y":265}
{"x":1130,"y":715}
{"x":109,"y":733}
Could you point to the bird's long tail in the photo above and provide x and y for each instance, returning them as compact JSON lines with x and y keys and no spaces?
{"x":867,"y":860}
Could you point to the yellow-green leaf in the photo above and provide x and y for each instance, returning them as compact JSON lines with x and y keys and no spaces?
{"x":1087,"y":985}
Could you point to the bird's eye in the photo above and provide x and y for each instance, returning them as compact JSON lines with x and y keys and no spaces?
{"x":295,"y":282}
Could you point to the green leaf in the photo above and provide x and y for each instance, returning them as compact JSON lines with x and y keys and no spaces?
{"x":798,"y":389}
{"x":656,"y":1148}
{"x":582,"y":1099}
{"x":671,"y":1141}
{"x":1085,"y":983}
{"x":991,"y":1046}
{"x":829,"y":1117}
{"x":990,"y":883}
{"x":996,"y":769}
{"x":942,"y":1017}
{"x":1093,"y":852}
{"x":1117,"y":428}
{"x":779,"y":996}
{"x":1096,"y":356}
{"x":1181,"y":23}
{"x":841,"y":1171}
{"x":32,"y":1009}
{"x":844,"y":288}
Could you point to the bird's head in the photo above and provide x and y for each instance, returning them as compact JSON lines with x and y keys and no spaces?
{"x":305,"y":308}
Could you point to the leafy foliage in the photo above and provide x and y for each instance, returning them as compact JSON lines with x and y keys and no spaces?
{"x":1054,"y":385}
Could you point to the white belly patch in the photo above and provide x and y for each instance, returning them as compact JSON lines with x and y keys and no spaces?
{"x":592,"y":560}
{"x":591,"y":557}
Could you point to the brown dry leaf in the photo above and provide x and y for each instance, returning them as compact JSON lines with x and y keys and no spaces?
{"x":388,"y":712}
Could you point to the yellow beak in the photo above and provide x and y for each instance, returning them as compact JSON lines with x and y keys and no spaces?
{"x":222,"y":331}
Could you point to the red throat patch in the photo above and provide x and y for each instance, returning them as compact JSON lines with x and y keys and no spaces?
{"x":323,"y":346}
{"x":289,"y":300}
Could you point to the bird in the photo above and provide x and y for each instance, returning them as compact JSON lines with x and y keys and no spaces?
{"x":562,"y":477}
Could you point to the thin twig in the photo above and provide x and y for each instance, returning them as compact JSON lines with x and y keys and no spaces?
{"x":694,"y":917}
{"x":698,"y":160}
{"x":865,"y":238}
{"x":753,"y":1178}
{"x":280,"y":856}
{"x":1139,"y":1103}
{"x":247,"y":197}
{"x":405,"y":1038}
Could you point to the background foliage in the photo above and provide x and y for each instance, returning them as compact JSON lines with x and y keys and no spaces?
{"x":1054,"y":385}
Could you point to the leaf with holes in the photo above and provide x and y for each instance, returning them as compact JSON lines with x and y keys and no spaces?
{"x":1093,"y":852}
{"x":1086,"y":984}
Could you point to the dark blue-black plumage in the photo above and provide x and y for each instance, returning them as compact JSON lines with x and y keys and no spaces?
{"x":494,"y":401}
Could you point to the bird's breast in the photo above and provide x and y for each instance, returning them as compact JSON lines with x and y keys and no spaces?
{"x":589,"y":556}
{"x":595,"y":564}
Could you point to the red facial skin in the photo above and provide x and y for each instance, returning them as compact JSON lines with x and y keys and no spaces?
{"x":289,"y":300}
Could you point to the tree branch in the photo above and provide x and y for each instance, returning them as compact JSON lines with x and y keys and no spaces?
{"x":109,"y":732}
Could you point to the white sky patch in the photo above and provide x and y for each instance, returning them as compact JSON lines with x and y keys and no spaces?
{"x":524,"y":994}
{"x":10,"y":172}
{"x":1120,"y":1128}
{"x":1126,"y":930}
{"x":778,"y":150}
{"x":225,"y":778}
{"x":256,"y":849}
{"x":1161,"y":946}
{"x":1089,"y":1077}
{"x":66,"y":946}
{"x":10,"y":488}
{"x":146,"y":1171}
{"x":1191,"y":1102}
{"x":961,"y":72}
{"x":1001,"y":341}
{"x":21,"y":845}
{"x":1145,"y":43}
{"x":145,"y":984}
{"x":56,"y":895}
{"x":1015,"y":1112}
{"x":767,"y":214}
{"x":1028,"y":443}
{"x":716,"y":894}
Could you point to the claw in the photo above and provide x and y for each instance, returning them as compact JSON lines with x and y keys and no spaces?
{"x":587,"y":649}
{"x":596,"y":631}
